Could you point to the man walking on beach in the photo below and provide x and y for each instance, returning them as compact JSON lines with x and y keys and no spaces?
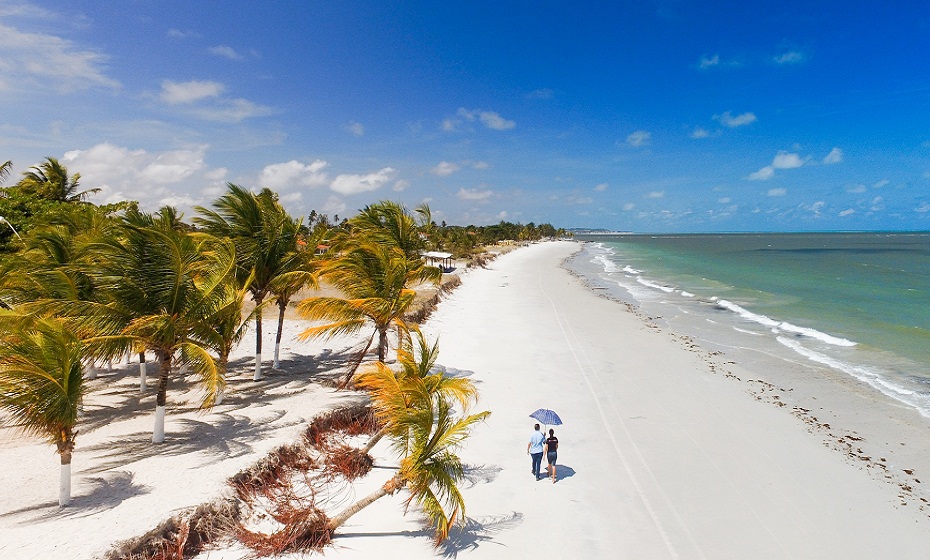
{"x":535,"y":449}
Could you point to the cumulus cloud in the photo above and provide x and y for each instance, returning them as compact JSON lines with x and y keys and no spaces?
{"x":790,"y":57}
{"x":401,"y":185}
{"x":699,"y":132}
{"x":728,"y":120}
{"x":787,"y":160}
{"x":154,"y":179}
{"x":847,"y":212}
{"x":358,"y":129}
{"x":175,"y":93}
{"x":474,"y":194}
{"x":444,"y":169}
{"x":639,"y":138}
{"x":777,"y":192}
{"x":835,"y":156}
{"x":278,"y":176}
{"x":782,"y":160}
{"x":226,"y":52}
{"x":763,"y":174}
{"x":39,"y":61}
{"x":600,"y":187}
{"x":489,"y":119}
{"x":709,"y":61}
{"x":349,"y":183}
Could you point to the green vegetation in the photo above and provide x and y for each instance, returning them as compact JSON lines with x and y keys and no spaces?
{"x":81,"y":284}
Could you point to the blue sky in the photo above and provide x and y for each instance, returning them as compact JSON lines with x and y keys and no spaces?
{"x":652,"y":116}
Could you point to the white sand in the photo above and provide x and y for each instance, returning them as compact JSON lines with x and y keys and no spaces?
{"x":664,"y":452}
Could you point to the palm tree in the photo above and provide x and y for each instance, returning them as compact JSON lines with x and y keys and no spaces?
{"x":5,"y":169}
{"x":430,"y":469}
{"x":374,"y":278}
{"x":395,"y":394}
{"x":265,"y":237}
{"x":165,"y":286}
{"x":390,"y":223}
{"x":226,"y":326}
{"x":40,"y":383}
{"x":49,"y":180}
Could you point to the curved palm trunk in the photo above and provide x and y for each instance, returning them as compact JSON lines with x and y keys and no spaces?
{"x":282,"y":306}
{"x":382,"y":343}
{"x":356,"y":363}
{"x":391,"y":486}
{"x":158,"y":434}
{"x":374,"y":440}
{"x":258,"y":340}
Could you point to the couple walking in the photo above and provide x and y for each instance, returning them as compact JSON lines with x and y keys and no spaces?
{"x":540,"y":444}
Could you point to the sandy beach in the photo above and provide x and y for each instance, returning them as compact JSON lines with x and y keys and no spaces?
{"x":668,"y":450}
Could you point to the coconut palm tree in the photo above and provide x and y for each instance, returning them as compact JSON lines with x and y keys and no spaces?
{"x":5,"y":169}
{"x":50,"y":180}
{"x":374,"y":278}
{"x":265,"y":237}
{"x":164,"y":285}
{"x":227,"y":326}
{"x":41,"y":383}
{"x":390,"y":223}
{"x":395,"y":394}
{"x":430,"y":469}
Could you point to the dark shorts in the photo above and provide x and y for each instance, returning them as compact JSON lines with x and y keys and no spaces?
{"x":551,"y":456}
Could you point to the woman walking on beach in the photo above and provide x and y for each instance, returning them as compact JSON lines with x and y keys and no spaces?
{"x":551,"y":448}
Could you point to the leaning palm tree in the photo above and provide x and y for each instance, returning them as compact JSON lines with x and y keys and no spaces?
{"x":430,"y":468}
{"x":375,"y":280}
{"x":41,"y":383}
{"x":50,"y":180}
{"x":265,"y":237}
{"x":5,"y":169}
{"x":395,"y":394}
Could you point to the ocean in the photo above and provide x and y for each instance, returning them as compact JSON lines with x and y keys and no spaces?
{"x":856,"y":303}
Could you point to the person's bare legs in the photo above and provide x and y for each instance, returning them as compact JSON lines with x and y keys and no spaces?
{"x":554,"y":474}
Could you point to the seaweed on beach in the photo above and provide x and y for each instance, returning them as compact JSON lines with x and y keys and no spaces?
{"x":347,"y":462}
{"x":303,"y":526}
{"x":424,"y":310}
{"x":275,"y":466}
{"x":356,"y":420}
{"x":181,"y":536}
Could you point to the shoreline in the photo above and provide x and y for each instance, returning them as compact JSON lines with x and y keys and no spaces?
{"x":669,"y":449}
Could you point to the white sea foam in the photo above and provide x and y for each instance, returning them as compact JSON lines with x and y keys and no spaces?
{"x":686,"y":294}
{"x":871,"y":376}
{"x":630,"y":270}
{"x":783,"y":326}
{"x":737,"y":329}
{"x":649,"y":284}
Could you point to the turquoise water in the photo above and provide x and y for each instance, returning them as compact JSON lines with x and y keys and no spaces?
{"x":855,"y":302}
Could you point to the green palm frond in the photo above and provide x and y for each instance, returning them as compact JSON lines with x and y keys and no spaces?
{"x":201,"y":362}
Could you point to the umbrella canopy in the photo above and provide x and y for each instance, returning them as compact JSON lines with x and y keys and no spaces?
{"x":547,"y":417}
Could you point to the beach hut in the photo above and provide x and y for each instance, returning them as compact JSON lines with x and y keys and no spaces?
{"x":439,"y":259}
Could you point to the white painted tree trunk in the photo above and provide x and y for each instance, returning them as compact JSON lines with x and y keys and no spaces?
{"x":109,"y":365}
{"x":258,"y":368}
{"x":91,"y":370}
{"x":219,"y":398}
{"x":277,"y":352}
{"x":64,"y":486}
{"x":142,"y":380}
{"x":158,"y":435}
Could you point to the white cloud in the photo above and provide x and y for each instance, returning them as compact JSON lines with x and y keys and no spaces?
{"x":278,"y":176}
{"x":348,"y":183}
{"x":154,"y":179}
{"x":859,"y":188}
{"x":656,"y":194}
{"x":787,"y":160}
{"x":790,"y":57}
{"x":700,"y":133}
{"x":639,"y":138}
{"x":232,"y":110}
{"x":878,"y":204}
{"x":176,"y":93}
{"x":334,"y":205}
{"x":629,"y":206}
{"x":179,"y":34}
{"x":401,"y":185}
{"x":724,"y":200}
{"x":38,"y":61}
{"x":777,"y":192}
{"x":226,"y":52}
{"x":543,"y":93}
{"x":356,"y":128}
{"x":444,"y":169}
{"x":480,"y":165}
{"x":474,"y":194}
{"x":923,"y":208}
{"x":601,"y":187}
{"x":835,"y":156}
{"x":847,"y":212}
{"x":490,"y":119}
{"x":880,"y":184}
{"x":729,"y":120}
{"x":763,"y":174}
{"x":709,"y":61}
